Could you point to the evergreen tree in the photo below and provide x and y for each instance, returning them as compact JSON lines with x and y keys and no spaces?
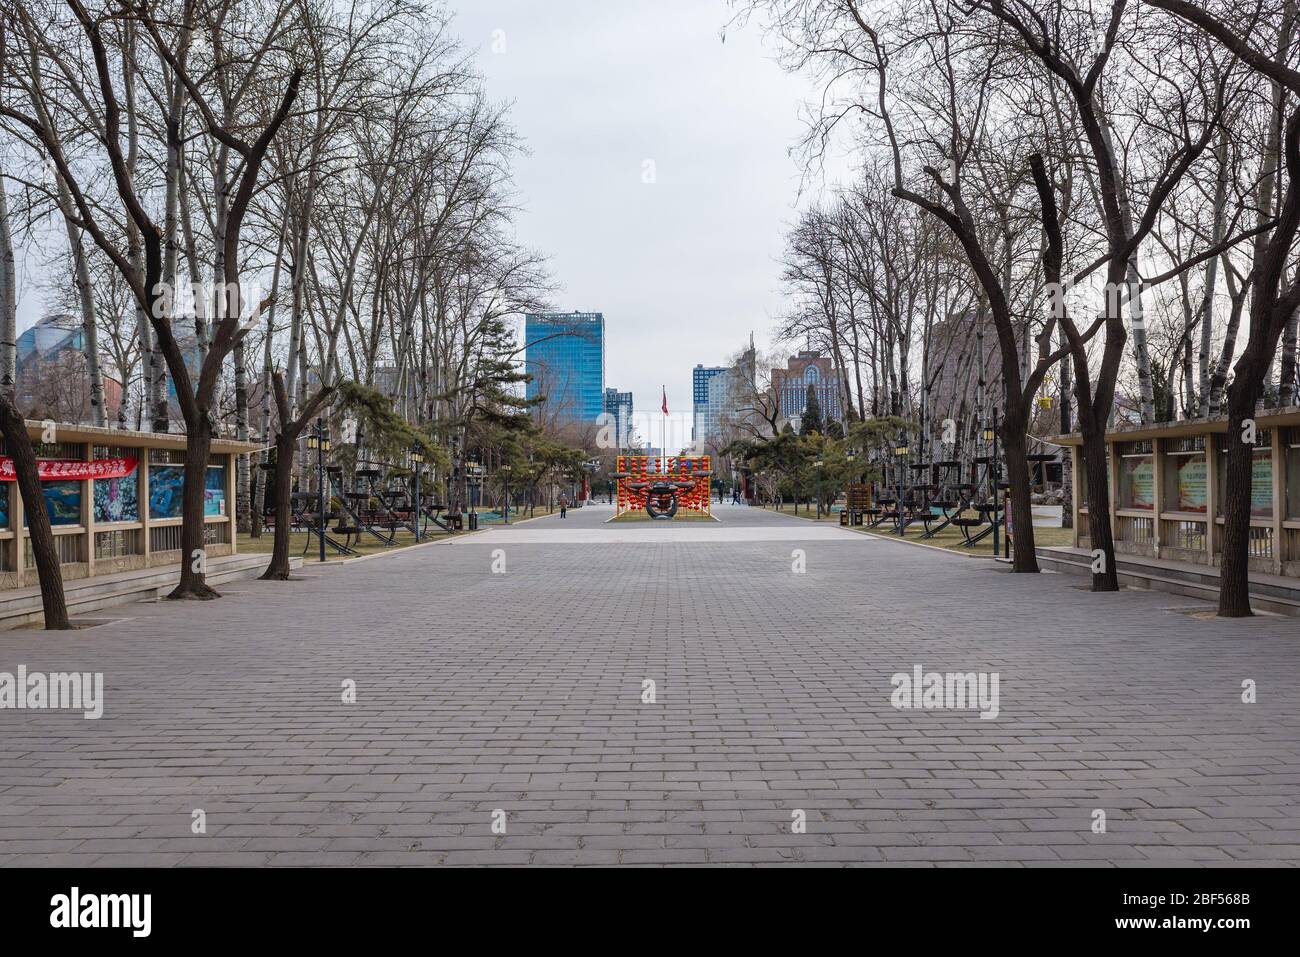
{"x":811,"y":421}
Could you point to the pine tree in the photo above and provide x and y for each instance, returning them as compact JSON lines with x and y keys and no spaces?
{"x":811,"y":421}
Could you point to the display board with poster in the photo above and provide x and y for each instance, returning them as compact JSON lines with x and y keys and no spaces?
{"x":1193,"y":487}
{"x":1138,"y":489}
{"x":1261,"y":484}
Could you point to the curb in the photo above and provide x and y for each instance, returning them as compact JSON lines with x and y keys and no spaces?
{"x":397,"y":551}
{"x":933,"y":548}
{"x":411,"y":548}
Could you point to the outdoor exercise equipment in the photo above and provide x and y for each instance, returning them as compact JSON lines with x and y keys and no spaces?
{"x":948,"y":494}
{"x":392,"y":517}
{"x":357,"y":506}
{"x":1038,"y":462}
{"x":306,"y":515}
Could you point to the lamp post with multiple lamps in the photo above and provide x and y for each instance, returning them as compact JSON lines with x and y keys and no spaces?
{"x":474,"y":473}
{"x":994,"y":473}
{"x":900,"y":457}
{"x":318,"y":439}
{"x":850,"y":457}
{"x":417,"y":459}
{"x":818,"y":465}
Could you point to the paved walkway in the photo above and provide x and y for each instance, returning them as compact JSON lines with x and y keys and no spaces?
{"x":522,"y":692}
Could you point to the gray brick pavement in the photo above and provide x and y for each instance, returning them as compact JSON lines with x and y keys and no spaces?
{"x":522,"y":692}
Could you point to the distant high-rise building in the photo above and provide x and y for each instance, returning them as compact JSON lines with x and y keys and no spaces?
{"x":700,"y":377}
{"x":791,"y":386}
{"x":565,"y":355}
{"x":53,"y":378}
{"x":619,"y":405}
{"x":721,"y":403}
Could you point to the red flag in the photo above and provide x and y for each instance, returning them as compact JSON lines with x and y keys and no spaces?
{"x":665,"y":400}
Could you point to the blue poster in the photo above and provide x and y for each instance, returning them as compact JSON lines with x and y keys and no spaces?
{"x":214,"y":492}
{"x":4,"y":503}
{"x":165,"y":484}
{"x":62,"y":502}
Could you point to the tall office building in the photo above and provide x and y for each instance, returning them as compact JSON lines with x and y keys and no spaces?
{"x":619,"y":406}
{"x":565,"y":355}
{"x":720,"y":408}
{"x":701,"y":417}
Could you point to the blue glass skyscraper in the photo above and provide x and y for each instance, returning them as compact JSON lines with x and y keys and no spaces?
{"x":700,"y":394}
{"x":565,"y":355}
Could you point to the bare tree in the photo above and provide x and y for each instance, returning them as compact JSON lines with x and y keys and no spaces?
{"x":149,"y":284}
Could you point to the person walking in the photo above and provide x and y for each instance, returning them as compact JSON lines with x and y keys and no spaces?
{"x":564,"y":504}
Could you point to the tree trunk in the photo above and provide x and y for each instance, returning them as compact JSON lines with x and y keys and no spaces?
{"x":1286,"y":392}
{"x":243,"y":498}
{"x":259,"y":480}
{"x":198,"y":444}
{"x":259,"y":493}
{"x":159,"y":404}
{"x":1067,"y":463}
{"x":1211,"y":271}
{"x":19,"y":443}
{"x":1219,"y":377}
{"x":1133,"y":280}
{"x":1234,"y":567}
{"x":8,"y":300}
{"x":285,"y":446}
{"x":85,"y":299}
{"x":1015,"y":447}
{"x":1100,"y":534}
{"x":1141,"y":351}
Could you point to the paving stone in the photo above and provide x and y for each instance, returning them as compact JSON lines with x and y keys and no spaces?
{"x":522,"y":692}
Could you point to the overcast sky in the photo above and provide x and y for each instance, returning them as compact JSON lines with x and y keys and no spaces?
{"x":685,"y":267}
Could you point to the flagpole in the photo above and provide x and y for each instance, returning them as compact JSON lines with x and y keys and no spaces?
{"x":663,"y":433}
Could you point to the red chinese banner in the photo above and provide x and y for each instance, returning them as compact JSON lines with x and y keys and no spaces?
{"x":53,"y":470}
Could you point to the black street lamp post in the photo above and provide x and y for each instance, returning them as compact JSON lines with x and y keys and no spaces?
{"x":475,"y":480}
{"x":818,"y":465}
{"x":319,"y":440}
{"x":994,"y":473}
{"x":505,"y":511}
{"x":900,"y":457}
{"x":417,"y":459}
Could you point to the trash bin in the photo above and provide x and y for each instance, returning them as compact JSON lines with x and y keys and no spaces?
{"x":457,"y":523}
{"x":844,"y":518}
{"x":473,"y":521}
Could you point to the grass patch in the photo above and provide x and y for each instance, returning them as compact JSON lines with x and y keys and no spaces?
{"x":804,"y":511}
{"x":950,"y":538}
{"x":369,"y":545}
